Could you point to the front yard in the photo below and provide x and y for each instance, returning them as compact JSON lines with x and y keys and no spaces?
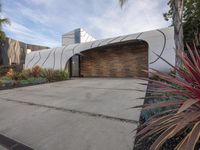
{"x":10,"y":77}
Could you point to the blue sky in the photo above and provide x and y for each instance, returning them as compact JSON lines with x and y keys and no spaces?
{"x":44,"y":21}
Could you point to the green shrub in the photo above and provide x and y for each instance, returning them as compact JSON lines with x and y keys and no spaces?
{"x":54,"y":75}
{"x":6,"y":78}
{"x":14,"y":75}
{"x":17,"y":76}
{"x":60,"y":75}
{"x":48,"y":74}
{"x":25,"y":74}
{"x":36,"y":75}
{"x":1,"y":83}
{"x":33,"y":80}
{"x":8,"y":83}
{"x":3,"y":71}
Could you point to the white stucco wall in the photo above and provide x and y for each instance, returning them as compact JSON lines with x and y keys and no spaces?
{"x":159,"y":41}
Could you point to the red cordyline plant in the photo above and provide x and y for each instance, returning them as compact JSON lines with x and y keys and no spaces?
{"x":184,"y":88}
{"x":36,"y":71}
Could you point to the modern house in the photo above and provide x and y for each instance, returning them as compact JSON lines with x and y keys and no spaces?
{"x":122,"y":56}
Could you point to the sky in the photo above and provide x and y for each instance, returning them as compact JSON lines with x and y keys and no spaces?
{"x":43,"y":22}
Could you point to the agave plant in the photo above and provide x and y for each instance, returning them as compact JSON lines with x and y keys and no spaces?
{"x":184,"y":88}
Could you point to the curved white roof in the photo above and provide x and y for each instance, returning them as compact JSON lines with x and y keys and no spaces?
{"x":159,"y":41}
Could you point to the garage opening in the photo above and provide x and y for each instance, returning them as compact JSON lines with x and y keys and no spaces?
{"x":127,"y":59}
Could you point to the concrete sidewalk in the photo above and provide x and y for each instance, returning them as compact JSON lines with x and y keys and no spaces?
{"x":79,"y":114}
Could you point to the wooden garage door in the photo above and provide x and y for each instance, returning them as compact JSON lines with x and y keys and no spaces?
{"x":115,"y":61}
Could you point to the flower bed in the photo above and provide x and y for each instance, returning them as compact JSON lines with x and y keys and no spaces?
{"x":36,"y":75}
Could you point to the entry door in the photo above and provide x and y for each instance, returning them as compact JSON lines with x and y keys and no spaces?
{"x":75,"y":66}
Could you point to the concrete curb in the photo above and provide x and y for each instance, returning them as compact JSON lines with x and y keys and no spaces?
{"x":12,"y":144}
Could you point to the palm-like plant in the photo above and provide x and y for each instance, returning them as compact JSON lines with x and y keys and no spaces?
{"x":3,"y":21}
{"x":184,"y":88}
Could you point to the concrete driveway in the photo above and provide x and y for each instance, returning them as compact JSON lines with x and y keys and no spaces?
{"x":78,"y":114}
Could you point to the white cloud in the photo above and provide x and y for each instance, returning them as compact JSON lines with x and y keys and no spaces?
{"x":22,"y":33}
{"x":44,"y":21}
{"x":137,"y":16}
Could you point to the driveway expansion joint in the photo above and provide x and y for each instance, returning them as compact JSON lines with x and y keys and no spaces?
{"x":90,"y":114}
{"x":99,"y":88}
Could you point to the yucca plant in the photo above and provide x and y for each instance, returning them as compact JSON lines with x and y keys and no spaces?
{"x":184,"y":113}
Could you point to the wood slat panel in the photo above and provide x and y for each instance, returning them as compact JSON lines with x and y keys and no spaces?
{"x":117,"y":61}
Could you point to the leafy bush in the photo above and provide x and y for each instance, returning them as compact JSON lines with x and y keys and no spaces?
{"x":17,"y":76}
{"x":184,"y":117}
{"x":6,"y":78}
{"x":25,"y":74}
{"x":48,"y":74}
{"x":1,"y":84}
{"x":33,"y":80}
{"x":14,"y":75}
{"x":60,"y":75}
{"x":36,"y":75}
{"x":8,"y":82}
{"x":3,"y":71}
{"x":10,"y":73}
{"x":54,"y":75}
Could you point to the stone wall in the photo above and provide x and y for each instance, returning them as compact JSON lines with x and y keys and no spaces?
{"x":116,"y":61}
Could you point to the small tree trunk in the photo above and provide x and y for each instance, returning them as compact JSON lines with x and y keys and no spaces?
{"x":177,"y":7}
{"x":1,"y":54}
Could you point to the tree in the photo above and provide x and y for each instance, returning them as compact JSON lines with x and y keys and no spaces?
{"x":191,"y":21}
{"x":191,"y":25}
{"x":3,"y":21}
{"x":177,"y":16}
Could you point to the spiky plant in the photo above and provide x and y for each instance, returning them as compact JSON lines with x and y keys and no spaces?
{"x":184,"y":88}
